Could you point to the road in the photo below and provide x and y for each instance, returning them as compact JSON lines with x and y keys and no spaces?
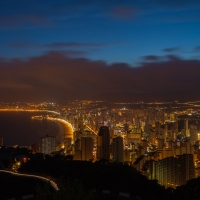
{"x":53,"y":184}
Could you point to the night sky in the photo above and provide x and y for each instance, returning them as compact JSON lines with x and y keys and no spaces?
{"x":117,"y":50}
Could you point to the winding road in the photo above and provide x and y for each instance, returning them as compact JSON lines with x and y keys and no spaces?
{"x":53,"y":184}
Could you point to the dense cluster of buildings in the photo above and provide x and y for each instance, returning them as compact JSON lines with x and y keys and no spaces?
{"x":159,"y":140}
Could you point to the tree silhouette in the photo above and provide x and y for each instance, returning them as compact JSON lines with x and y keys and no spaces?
{"x":70,"y":189}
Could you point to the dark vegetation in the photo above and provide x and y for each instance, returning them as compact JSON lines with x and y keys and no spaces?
{"x":115,"y":177}
{"x":191,"y":190}
{"x":85,"y":180}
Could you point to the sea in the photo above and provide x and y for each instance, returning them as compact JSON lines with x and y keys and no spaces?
{"x":18,"y":128}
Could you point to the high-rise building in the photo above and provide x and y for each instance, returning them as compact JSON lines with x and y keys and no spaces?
{"x":78,"y":149}
{"x":118,"y":149}
{"x":187,"y":130}
{"x":1,"y":141}
{"x":78,"y":144}
{"x":33,"y":148}
{"x":137,"y":122}
{"x":172,"y":131}
{"x":193,"y":134}
{"x":134,"y":135}
{"x":77,"y":135}
{"x":152,"y":136}
{"x":157,"y":127}
{"x":159,"y":142}
{"x":172,"y":171}
{"x":87,"y":144}
{"x":48,"y":144}
{"x":129,"y":156}
{"x":103,"y":143}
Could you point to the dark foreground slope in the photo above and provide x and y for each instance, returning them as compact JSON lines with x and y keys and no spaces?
{"x":12,"y":186}
{"x":99,"y":176}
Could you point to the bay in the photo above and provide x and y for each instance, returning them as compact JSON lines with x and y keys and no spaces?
{"x":18,"y":128}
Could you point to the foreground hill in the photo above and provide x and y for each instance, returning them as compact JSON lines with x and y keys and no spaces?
{"x":99,"y":176}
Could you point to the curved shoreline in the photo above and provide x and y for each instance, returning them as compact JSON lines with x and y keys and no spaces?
{"x":68,"y":129}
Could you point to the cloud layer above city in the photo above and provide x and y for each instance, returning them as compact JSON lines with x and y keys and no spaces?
{"x":57,"y":77}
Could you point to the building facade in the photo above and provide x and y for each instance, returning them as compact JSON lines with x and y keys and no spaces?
{"x":87,"y":144}
{"x":172,"y":171}
{"x":48,"y":144}
{"x":103,"y":143}
{"x":118,"y":149}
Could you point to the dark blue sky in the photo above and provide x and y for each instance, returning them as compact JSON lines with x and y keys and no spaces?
{"x":113,"y":31}
{"x":120,"y":33}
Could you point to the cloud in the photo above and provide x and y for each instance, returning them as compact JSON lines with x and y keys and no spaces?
{"x":105,"y":3}
{"x":177,"y":3}
{"x":55,"y":13}
{"x":60,"y":45}
{"x":73,"y":53}
{"x":21,"y":20}
{"x":171,"y":50}
{"x":123,"y":12}
{"x":71,"y":49}
{"x":27,"y":14}
{"x":160,"y":59}
{"x":24,"y":44}
{"x":60,"y":78}
{"x":196,"y":49}
{"x":151,"y":58}
{"x":173,"y":58}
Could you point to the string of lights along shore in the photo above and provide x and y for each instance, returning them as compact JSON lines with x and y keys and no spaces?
{"x":159,"y":139}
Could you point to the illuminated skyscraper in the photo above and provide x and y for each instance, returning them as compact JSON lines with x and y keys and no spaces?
{"x":78,"y":149}
{"x":157,"y":127}
{"x":118,"y":149}
{"x":33,"y":148}
{"x":172,"y":171}
{"x":87,"y":144}
{"x":103,"y":143}
{"x":187,"y":130}
{"x":48,"y":144}
{"x":193,"y":134}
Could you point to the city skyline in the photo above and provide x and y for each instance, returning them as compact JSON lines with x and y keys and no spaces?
{"x":115,"y":51}
{"x":159,"y":141}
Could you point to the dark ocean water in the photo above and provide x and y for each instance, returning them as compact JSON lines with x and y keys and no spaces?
{"x":18,"y":128}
